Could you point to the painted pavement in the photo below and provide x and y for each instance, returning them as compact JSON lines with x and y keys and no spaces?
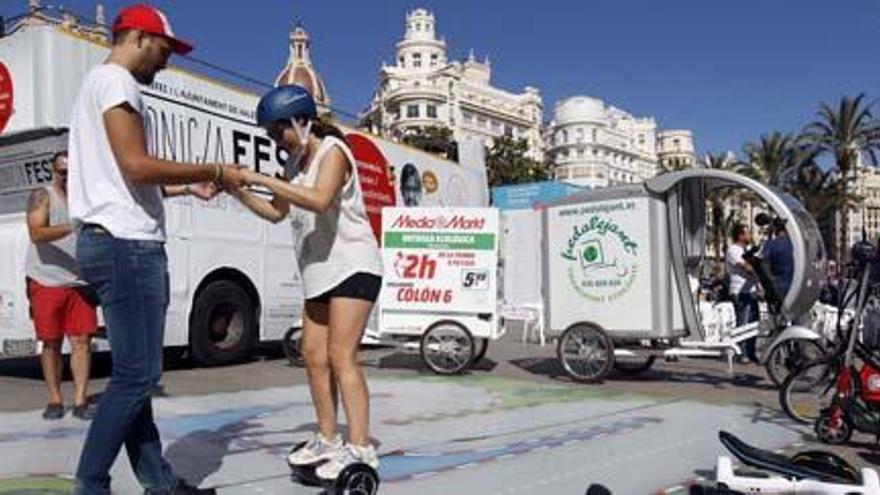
{"x":438,"y":435}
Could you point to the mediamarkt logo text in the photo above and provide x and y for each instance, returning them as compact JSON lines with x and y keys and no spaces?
{"x":440,"y":222}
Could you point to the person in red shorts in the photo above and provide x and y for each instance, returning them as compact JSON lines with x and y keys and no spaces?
{"x":59,"y":303}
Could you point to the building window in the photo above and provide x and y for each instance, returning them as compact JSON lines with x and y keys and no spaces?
{"x":580,"y":134}
{"x":434,"y":59}
{"x":508,"y":130}
{"x":565,"y":137}
{"x":400,"y":61}
{"x":468,"y":118}
{"x":594,"y":135}
{"x":580,"y":152}
{"x":432,"y":111}
{"x":417,"y":59}
{"x":412,"y":111}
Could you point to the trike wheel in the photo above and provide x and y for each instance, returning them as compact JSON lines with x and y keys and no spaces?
{"x":447,"y":347}
{"x":788,"y":357}
{"x":585,"y":352}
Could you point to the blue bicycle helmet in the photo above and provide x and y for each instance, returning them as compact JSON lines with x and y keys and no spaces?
{"x":289,"y":102}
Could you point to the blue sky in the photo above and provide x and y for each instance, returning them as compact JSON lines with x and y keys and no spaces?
{"x":729,"y":71}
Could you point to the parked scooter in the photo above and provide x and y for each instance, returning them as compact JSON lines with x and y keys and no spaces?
{"x":854,"y":370}
{"x":813,"y":472}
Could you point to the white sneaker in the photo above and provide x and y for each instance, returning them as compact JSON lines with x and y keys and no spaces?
{"x":315,"y":450}
{"x":348,"y":455}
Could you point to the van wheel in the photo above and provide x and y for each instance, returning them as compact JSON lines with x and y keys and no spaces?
{"x":223,"y":326}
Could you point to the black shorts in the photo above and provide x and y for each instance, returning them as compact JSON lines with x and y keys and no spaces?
{"x":361,"y":285}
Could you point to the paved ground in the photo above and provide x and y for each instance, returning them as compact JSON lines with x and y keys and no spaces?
{"x":513,"y":425}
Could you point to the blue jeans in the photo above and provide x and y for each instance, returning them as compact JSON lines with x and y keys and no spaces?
{"x":131,"y":281}
{"x":747,"y":311}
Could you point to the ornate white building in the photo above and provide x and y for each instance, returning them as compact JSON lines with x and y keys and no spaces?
{"x":865,"y":217}
{"x":675,"y":149}
{"x":596,"y":145}
{"x":424,"y":89}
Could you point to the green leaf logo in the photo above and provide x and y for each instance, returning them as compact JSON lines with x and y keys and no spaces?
{"x":591,"y":254}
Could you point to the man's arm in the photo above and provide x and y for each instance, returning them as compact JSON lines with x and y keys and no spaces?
{"x":38,"y":219}
{"x":125,"y":131}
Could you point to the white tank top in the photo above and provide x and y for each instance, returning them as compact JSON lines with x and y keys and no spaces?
{"x":337,"y":244}
{"x":53,"y":264}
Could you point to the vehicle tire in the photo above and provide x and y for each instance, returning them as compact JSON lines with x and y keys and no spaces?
{"x":831,"y":431}
{"x":447,"y":347}
{"x":790,"y":356}
{"x":633,"y":365}
{"x":482,"y":345}
{"x":290,"y":344}
{"x":585,"y":352}
{"x":356,"y":479}
{"x":223,"y":325}
{"x":806,"y":392}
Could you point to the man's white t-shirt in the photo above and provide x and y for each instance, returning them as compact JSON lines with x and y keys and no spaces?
{"x":740,"y":279}
{"x":97,"y":191}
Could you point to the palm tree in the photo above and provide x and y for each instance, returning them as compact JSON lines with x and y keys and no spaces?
{"x":770,"y":159}
{"x":823,"y":193}
{"x":847,"y":134}
{"x":720,"y":221}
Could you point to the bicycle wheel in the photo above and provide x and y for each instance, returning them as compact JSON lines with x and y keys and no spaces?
{"x":807,"y":391}
{"x":789,"y":357}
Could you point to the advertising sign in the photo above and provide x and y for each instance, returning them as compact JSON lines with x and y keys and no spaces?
{"x":6,"y":95}
{"x":438,"y":260}
{"x":527,"y":196}
{"x":599,"y":259}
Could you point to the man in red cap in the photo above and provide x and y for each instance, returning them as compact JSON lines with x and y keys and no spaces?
{"x":115,"y":194}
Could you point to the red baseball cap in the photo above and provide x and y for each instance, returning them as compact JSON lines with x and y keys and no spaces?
{"x":149,"y":20}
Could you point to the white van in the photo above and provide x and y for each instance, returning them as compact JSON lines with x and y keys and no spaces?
{"x":234,"y":279}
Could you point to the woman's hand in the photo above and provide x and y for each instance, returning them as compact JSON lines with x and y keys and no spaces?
{"x":252,"y":178}
{"x":202,"y":190}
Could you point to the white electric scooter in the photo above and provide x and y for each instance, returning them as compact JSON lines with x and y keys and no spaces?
{"x":810,"y":472}
{"x":805,"y":473}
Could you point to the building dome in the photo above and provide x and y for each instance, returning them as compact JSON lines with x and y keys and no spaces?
{"x":578,"y":109}
{"x":299,"y":69}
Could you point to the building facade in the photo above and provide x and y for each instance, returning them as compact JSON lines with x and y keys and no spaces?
{"x":675,"y":149}
{"x":425,"y":89}
{"x":864,"y":218}
{"x":593,"y":144}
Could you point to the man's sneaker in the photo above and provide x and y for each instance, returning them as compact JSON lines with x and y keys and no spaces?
{"x":315,"y":450}
{"x":348,"y":455}
{"x":53,"y":411}
{"x":184,"y":488}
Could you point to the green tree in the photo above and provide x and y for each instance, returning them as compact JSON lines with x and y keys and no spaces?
{"x":507,"y":162}
{"x":432,"y":139}
{"x":845,"y":133}
{"x":770,"y":159}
